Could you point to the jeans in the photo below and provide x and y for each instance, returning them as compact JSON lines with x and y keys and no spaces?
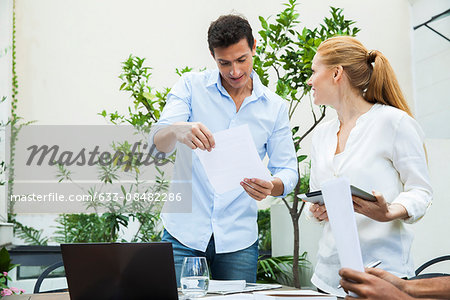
{"x":238,"y":265}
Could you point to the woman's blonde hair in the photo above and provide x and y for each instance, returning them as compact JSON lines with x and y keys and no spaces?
{"x":377,"y":83}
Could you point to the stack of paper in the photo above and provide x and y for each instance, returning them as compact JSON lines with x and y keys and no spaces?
{"x":226,"y":286}
{"x":292,"y":295}
{"x":231,"y":297}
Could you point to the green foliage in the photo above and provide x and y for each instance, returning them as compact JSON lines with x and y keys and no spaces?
{"x":148,"y":230}
{"x":5,"y":261}
{"x":278,"y":269}
{"x":146,"y":109}
{"x":3,"y":166}
{"x":15,"y":120}
{"x":147,"y":103}
{"x":92,"y":228}
{"x":2,"y":171}
{"x":89,"y":228}
{"x":30,"y":235}
{"x":289,"y":53}
{"x":106,"y":227}
{"x":6,"y":265}
{"x":14,"y":117}
{"x":264,"y":234}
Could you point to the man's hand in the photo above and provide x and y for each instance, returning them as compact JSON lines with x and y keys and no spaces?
{"x":379,"y":210}
{"x":380,"y":273}
{"x":194,"y":135}
{"x":368,"y":286}
{"x":256,"y":188}
{"x":319,"y":212}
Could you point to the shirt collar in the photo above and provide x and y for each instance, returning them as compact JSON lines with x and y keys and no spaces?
{"x":258,"y":90}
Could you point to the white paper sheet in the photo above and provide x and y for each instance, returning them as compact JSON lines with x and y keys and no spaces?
{"x":338,"y":201}
{"x":234,"y":158}
{"x":223,"y":286}
{"x":293,"y":294}
{"x":231,"y":297}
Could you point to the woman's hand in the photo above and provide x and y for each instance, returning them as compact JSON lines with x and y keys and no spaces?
{"x":379,"y":210}
{"x":319,"y":212}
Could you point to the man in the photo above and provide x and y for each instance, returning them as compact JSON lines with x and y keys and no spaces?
{"x":222,"y":227}
{"x":377,"y":284}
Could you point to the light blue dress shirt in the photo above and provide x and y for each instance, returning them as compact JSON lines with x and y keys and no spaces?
{"x":231,"y":217}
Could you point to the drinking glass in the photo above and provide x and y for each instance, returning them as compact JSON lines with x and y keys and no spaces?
{"x":194,"y":277}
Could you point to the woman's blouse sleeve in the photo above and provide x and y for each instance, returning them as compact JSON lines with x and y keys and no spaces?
{"x":409,"y":159}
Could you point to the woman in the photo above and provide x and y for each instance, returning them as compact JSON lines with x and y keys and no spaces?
{"x":378,"y":146}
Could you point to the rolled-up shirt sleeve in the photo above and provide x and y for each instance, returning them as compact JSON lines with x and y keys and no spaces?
{"x":177,"y":108}
{"x":281,"y":152}
{"x":409,"y":159}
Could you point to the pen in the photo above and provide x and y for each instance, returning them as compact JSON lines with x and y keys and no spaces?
{"x":374,"y":264}
{"x":371,"y":265}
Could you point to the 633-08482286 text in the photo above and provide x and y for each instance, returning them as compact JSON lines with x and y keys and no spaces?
{"x":101,"y":197}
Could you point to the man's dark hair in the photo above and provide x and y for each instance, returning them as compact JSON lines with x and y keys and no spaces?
{"x":228,"y":30}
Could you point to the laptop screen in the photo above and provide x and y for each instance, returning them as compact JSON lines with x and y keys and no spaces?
{"x":107,"y":271}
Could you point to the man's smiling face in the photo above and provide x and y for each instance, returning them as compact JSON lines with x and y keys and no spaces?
{"x":235,"y":64}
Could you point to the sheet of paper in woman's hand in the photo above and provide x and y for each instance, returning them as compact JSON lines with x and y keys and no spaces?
{"x":338,"y":201}
{"x":232,"y":159}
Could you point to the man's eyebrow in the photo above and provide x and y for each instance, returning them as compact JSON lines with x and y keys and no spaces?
{"x":239,"y":58}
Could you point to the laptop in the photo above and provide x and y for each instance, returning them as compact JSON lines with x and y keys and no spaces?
{"x":119,"y":271}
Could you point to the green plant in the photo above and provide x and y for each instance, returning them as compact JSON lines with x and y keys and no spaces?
{"x":283,"y":58}
{"x":147,"y":106}
{"x":6,"y":266}
{"x":264,"y":233}
{"x":89,"y":228}
{"x":14,"y":121}
{"x":148,"y":103}
{"x":15,"y":125}
{"x":148,"y":230}
{"x":278,"y":269}
{"x":30,"y":235}
{"x":105,"y":227}
{"x":3,"y":167}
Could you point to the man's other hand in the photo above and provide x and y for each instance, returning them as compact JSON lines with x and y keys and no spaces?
{"x":256,"y":188}
{"x":368,"y":286}
{"x":194,"y":135}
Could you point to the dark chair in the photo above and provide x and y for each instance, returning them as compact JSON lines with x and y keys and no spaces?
{"x":429,"y":263}
{"x":44,"y":274}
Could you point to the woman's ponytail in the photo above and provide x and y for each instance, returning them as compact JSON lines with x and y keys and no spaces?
{"x":383,"y":86}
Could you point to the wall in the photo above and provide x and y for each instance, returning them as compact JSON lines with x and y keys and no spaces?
{"x":431,"y":59}
{"x":5,"y":90}
{"x":69,"y":52}
{"x":432,"y":232}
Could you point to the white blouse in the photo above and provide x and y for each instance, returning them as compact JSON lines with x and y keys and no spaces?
{"x":384,"y":152}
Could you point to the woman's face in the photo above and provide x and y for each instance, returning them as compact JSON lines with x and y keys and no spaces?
{"x":322,"y":82}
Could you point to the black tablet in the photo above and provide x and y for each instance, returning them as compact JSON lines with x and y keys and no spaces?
{"x":316,"y":196}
